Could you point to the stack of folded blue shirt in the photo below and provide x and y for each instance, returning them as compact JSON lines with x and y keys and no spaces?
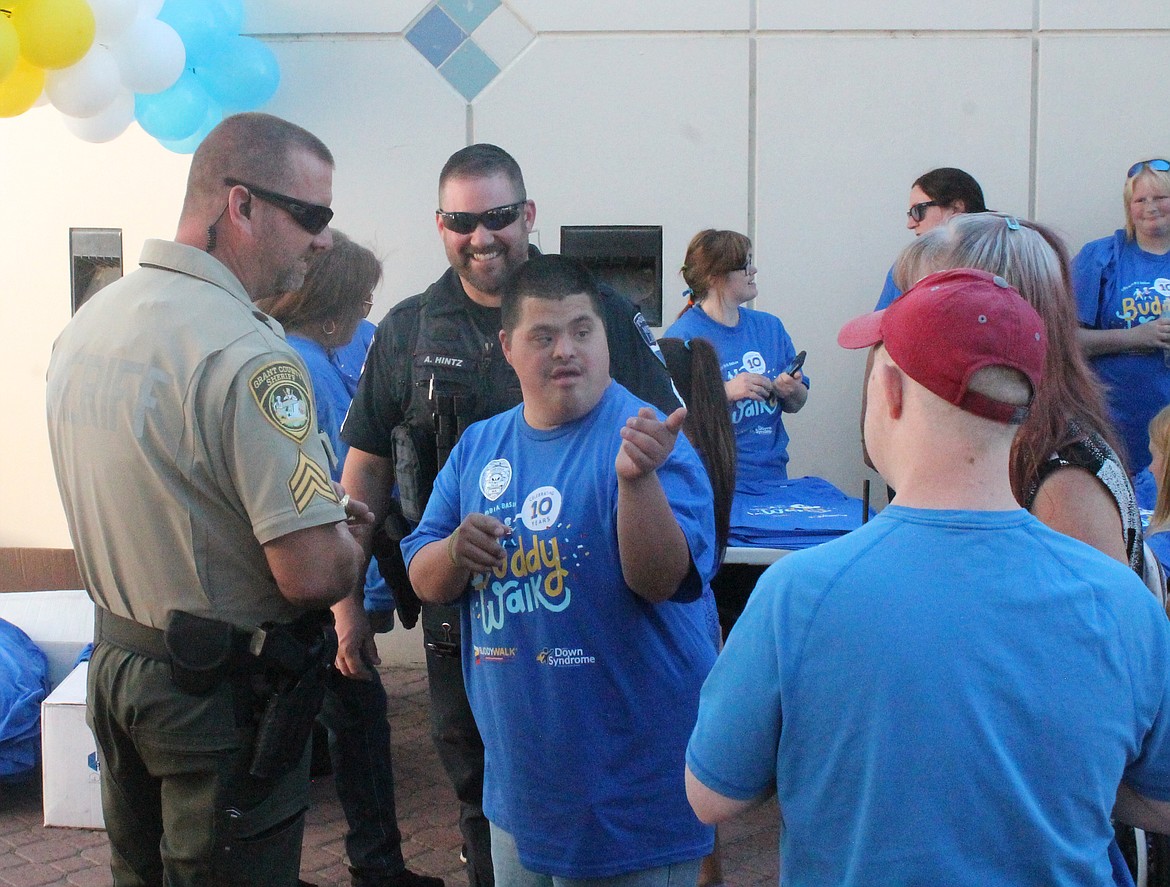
{"x":795,"y":513}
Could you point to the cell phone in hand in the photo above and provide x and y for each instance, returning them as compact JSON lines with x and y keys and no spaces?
{"x":796,"y":364}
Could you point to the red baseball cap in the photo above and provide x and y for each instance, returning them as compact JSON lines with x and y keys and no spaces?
{"x":951,"y":324}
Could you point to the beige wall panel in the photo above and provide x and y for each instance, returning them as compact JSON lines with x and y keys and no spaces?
{"x":1092,"y":128}
{"x":839,"y":145}
{"x":389,"y":137}
{"x":659,"y":137}
{"x":333,"y":17}
{"x":918,"y":15}
{"x":643,"y":15}
{"x":1104,"y":14}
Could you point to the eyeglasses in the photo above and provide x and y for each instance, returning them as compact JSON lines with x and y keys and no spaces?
{"x":310,"y":216}
{"x":367,"y":307}
{"x":918,"y":211}
{"x":1160,"y":165}
{"x":495,"y":219}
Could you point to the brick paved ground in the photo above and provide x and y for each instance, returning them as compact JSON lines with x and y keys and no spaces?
{"x":32,"y":855}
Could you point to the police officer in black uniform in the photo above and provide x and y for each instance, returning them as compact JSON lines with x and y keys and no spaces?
{"x":434,"y":367}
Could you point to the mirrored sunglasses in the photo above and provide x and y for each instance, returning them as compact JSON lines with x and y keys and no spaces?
{"x":494,"y":219}
{"x":310,"y":216}
{"x":1157,"y":163}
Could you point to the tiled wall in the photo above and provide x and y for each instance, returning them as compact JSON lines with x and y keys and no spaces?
{"x":800,"y":122}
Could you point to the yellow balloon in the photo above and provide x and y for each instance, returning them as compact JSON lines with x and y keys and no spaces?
{"x":54,"y":33}
{"x":9,"y":47}
{"x":20,"y":89}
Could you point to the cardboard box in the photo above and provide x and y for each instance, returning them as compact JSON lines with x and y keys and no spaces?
{"x":72,"y":790}
{"x":59,"y":622}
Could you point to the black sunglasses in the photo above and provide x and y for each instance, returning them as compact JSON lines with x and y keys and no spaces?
{"x":310,"y":216}
{"x":918,"y":211}
{"x":495,"y":219}
{"x":1160,"y":165}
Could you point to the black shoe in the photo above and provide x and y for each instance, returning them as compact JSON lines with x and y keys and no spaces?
{"x":404,"y":878}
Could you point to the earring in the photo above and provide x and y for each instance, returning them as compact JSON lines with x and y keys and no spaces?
{"x":329,"y":327}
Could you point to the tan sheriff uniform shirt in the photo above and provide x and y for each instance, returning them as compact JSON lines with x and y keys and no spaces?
{"x":184,"y":437}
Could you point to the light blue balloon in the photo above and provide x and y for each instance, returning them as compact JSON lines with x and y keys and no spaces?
{"x":202,"y":25}
{"x":241,"y":74}
{"x":189,"y":144}
{"x":174,"y":113}
{"x":231,"y":14}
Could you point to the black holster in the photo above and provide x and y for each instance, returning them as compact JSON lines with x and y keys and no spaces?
{"x":297,"y":675}
{"x":387,"y":552}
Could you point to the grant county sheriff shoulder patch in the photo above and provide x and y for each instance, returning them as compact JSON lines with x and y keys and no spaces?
{"x":283,"y":397}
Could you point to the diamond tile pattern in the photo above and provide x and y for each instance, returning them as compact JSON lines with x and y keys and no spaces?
{"x":436,"y":36}
{"x":469,"y":41}
{"x":469,"y":70}
{"x":468,"y":14}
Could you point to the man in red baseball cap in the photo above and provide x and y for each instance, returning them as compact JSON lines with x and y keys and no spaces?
{"x":954,"y":693}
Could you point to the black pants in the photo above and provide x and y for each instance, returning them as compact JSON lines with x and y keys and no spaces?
{"x":457,"y":738}
{"x":733,"y":585}
{"x":354,"y":712}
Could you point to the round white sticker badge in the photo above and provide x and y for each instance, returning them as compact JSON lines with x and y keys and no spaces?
{"x":494,"y":478}
{"x":753,"y":362}
{"x":541,"y":508}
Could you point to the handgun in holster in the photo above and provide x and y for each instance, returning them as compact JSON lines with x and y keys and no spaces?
{"x":297,"y":672}
{"x":385,"y":547}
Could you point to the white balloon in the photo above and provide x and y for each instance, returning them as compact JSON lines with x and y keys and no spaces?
{"x":150,"y":8}
{"x":109,"y":124}
{"x":87,"y":87}
{"x":112,"y":18}
{"x":150,"y":55}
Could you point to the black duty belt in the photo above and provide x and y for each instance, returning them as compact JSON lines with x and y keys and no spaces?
{"x":129,"y":635}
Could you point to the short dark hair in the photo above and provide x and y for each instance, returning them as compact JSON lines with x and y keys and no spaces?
{"x":480,"y":161}
{"x":948,"y":185}
{"x":550,"y":277}
{"x":252,"y":147}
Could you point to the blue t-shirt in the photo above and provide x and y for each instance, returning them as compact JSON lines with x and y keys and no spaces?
{"x":942,"y":697}
{"x":584,"y":693}
{"x":758,"y":343}
{"x":1119,"y":285}
{"x":1160,"y":544}
{"x":890,"y":291}
{"x":335,"y":374}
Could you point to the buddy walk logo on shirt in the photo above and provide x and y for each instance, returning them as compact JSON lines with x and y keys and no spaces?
{"x":532,"y":577}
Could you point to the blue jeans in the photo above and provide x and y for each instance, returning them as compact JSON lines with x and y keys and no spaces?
{"x":510,"y":872}
{"x":354,"y":712}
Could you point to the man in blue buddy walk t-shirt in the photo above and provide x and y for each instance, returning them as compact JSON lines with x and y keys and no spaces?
{"x":576,"y":533}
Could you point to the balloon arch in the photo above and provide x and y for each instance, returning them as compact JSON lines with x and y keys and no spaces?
{"x":176,"y":67}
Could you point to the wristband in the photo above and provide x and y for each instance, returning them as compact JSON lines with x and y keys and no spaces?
{"x":451,"y":547}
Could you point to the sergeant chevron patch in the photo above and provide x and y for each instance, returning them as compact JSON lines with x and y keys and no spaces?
{"x":308,"y":480}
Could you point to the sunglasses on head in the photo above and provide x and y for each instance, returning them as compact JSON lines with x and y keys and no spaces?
{"x":310,"y":216}
{"x":918,"y":211}
{"x":495,"y":219}
{"x":1158,"y":164}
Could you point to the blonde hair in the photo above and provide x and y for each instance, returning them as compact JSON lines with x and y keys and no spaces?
{"x":1160,"y":438}
{"x":1034,"y":260}
{"x":1161,"y":181}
